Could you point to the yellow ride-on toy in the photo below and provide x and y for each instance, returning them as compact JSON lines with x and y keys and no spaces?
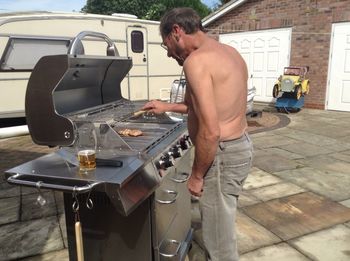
{"x":292,"y":81}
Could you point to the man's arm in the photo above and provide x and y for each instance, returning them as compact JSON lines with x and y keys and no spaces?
{"x":160,"y":107}
{"x":208,"y":130}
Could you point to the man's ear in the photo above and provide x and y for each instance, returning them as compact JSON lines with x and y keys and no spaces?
{"x":177,"y":31}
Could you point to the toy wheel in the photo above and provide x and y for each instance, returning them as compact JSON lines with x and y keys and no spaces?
{"x":297,"y":92}
{"x":275,"y":91}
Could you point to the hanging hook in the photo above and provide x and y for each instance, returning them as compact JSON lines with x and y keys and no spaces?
{"x":89,"y":202}
{"x":75,"y":205}
{"x":40,"y":199}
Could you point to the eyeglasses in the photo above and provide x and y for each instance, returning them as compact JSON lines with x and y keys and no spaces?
{"x":164,"y":46}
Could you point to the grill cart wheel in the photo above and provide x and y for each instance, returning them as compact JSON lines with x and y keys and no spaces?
{"x":297,"y":92}
{"x":275,"y":91}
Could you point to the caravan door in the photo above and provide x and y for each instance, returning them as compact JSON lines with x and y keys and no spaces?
{"x":137,"y":49}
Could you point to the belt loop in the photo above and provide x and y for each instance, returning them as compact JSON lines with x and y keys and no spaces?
{"x":222,"y":145}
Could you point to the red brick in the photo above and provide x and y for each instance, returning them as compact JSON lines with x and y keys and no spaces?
{"x":311,"y":33}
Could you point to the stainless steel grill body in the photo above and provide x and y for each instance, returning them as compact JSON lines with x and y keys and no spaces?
{"x":138,"y":214}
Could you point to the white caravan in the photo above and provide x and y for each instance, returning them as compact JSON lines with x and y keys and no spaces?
{"x":25,"y":37}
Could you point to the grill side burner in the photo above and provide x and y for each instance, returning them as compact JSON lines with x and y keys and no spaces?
{"x":137,"y":214}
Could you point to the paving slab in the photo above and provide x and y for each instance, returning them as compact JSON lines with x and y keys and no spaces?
{"x":251,"y":235}
{"x":279,"y":252}
{"x":258,"y":178}
{"x":271,"y":141}
{"x":339,"y":146}
{"x":261,"y":152}
{"x":328,"y":131}
{"x":323,"y":113}
{"x":32,"y":210}
{"x":9,"y":210}
{"x":345,"y":203}
{"x":275,"y":163}
{"x":305,"y":124}
{"x":304,"y":135}
{"x":247,"y":199}
{"x":326,"y":163}
{"x":297,"y":215}
{"x":329,"y":244}
{"x":62,"y":223}
{"x":30,"y":238}
{"x":305,"y":149}
{"x":7,"y":190}
{"x":283,"y":153}
{"x":344,"y":156}
{"x":61,"y":255}
{"x":59,"y":201}
{"x":276,"y":191}
{"x":321,"y":182}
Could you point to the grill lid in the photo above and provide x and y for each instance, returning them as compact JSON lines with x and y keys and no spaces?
{"x":65,"y":84}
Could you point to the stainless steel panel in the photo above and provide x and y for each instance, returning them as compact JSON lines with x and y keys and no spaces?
{"x":108,"y":235}
{"x":127,"y":186}
{"x":63,"y":84}
{"x":165,"y":206}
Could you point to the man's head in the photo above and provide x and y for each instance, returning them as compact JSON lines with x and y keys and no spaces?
{"x":185,"y":17}
{"x":177,"y":22}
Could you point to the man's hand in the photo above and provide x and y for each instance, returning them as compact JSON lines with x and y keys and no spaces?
{"x":155,"y":106}
{"x":195,"y":185}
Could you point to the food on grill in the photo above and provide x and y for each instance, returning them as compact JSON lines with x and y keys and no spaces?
{"x":130,"y":132}
{"x":138,"y":113}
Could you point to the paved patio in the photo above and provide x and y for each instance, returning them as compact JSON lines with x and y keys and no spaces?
{"x":295,"y":204}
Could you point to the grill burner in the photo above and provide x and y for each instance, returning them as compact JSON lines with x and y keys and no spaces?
{"x":138,"y":214}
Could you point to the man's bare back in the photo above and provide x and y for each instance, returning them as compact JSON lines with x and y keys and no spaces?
{"x":229,"y":82}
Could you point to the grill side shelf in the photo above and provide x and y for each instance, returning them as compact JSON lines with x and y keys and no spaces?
{"x":25,"y":180}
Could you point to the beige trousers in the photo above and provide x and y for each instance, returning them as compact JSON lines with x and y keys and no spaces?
{"x":218,"y":203}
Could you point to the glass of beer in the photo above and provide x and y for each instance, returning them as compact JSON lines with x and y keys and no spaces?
{"x":86,"y":148}
{"x":87,"y":159}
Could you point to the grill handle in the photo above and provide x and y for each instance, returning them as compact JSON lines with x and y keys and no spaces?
{"x":19,"y":179}
{"x":179,"y":180}
{"x":168,"y":243}
{"x":76,"y":46}
{"x":169,"y":201}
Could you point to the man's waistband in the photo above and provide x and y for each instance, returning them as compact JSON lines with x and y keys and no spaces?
{"x":225,"y":143}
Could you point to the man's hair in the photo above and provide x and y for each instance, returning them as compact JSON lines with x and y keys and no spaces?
{"x":185,"y":17}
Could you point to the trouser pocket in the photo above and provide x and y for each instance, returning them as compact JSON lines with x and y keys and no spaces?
{"x":234,"y":169}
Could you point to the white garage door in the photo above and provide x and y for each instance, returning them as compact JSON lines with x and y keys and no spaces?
{"x":339,"y":69}
{"x":266,"y":53}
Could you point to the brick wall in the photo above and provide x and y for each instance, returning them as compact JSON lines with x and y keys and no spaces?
{"x":311,"y":23}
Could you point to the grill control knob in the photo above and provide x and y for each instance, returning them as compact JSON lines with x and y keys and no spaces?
{"x":184,"y":143}
{"x":166,"y":162}
{"x":175,"y":151}
{"x":187,"y":137}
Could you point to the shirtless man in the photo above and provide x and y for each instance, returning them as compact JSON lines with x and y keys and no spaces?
{"x":215,"y":101}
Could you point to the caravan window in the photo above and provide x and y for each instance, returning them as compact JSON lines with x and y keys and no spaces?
{"x":137,"y":41}
{"x":21,"y":54}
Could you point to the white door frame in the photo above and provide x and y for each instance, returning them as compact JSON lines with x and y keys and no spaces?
{"x":330,"y":60}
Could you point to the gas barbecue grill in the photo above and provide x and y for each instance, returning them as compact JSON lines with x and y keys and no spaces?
{"x":127,"y":209}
